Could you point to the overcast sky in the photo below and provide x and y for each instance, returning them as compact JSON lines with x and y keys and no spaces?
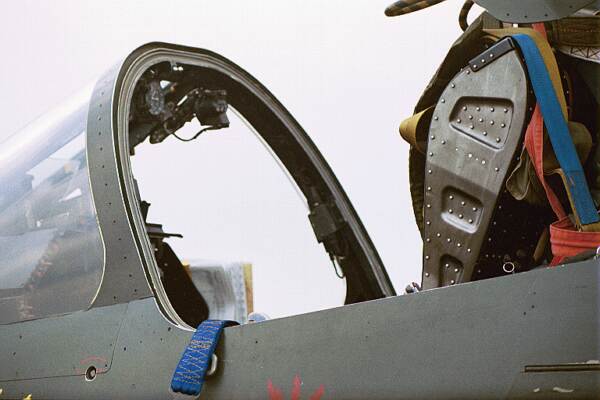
{"x":346,"y":72}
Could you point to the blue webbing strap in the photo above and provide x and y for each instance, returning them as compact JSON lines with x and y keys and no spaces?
{"x":195,"y":361}
{"x":558,"y":131}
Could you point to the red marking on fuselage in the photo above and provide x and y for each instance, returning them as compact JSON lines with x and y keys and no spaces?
{"x":296,"y":388}
{"x":276,"y":394}
{"x":318,"y":393}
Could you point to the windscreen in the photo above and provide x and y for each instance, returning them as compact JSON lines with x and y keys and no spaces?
{"x":51,"y":253}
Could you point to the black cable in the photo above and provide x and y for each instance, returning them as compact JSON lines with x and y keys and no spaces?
{"x":340,"y":274}
{"x":210,"y":128}
{"x":464,"y":13}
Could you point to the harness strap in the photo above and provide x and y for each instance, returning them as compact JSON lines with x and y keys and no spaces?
{"x":558,"y":132}
{"x":547,"y":56}
{"x":189,"y":375}
{"x":566,"y":240}
{"x":534,"y":143}
{"x":534,"y":137}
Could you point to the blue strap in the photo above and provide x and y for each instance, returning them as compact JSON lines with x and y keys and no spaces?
{"x":195,"y":361}
{"x":558,"y":130}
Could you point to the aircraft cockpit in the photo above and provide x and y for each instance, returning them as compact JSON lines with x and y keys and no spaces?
{"x":143,"y":219}
{"x":49,"y":239}
{"x":75,"y":219}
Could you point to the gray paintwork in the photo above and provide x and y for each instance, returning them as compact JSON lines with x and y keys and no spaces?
{"x":59,"y":346}
{"x":466,"y":341}
{"x":529,"y":11}
{"x":49,"y":357}
{"x":123,"y":278}
{"x":470,"y":341}
{"x":140,"y":346}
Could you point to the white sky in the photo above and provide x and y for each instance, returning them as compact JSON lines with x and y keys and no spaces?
{"x":346,"y":72}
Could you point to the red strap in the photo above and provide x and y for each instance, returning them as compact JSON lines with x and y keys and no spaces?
{"x":568,"y":242}
{"x":534,"y":143}
{"x":541,"y":28}
{"x":565,"y":239}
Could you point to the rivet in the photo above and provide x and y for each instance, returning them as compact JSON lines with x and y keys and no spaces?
{"x":443,"y":100}
{"x":450,"y":211}
{"x":452,"y":282}
{"x":460,"y":216}
{"x":443,"y":142}
{"x":430,"y":154}
{"x":462,"y":203}
{"x":432,"y":137}
{"x":492,"y":109}
{"x":429,"y":188}
{"x":484,"y":133}
{"x":428,"y":222}
{"x":470,"y":221}
{"x":429,"y":171}
{"x":447,"y":265}
{"x":438,"y":234}
{"x":480,"y":120}
{"x":478,"y":108}
{"x":491,"y":55}
{"x":483,"y":60}
{"x":427,"y":274}
{"x":496,"y":169}
{"x":436,"y":118}
{"x":505,"y":110}
{"x":470,"y":155}
{"x":453,"y":85}
{"x":451,"y":197}
{"x":474,"y":208}
{"x":469,"y":72}
{"x":492,"y":122}
{"x":458,"y":244}
{"x":464,"y":108}
{"x":458,"y":121}
{"x":428,"y":205}
{"x":428,"y":240}
{"x":449,"y":240}
{"x":498,"y":140}
{"x":468,"y":250}
{"x":427,"y":257}
{"x":470,"y":117}
{"x":456,"y":270}
{"x":483,"y":162}
{"x":471,"y":126}
{"x":503,"y":125}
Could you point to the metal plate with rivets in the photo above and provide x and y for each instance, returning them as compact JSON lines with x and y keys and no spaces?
{"x":474,"y":136}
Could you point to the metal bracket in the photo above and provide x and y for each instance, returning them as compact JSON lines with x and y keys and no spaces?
{"x":492,"y":54}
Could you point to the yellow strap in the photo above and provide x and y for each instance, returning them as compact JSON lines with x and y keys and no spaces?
{"x":414,"y":129}
{"x":547,"y":54}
